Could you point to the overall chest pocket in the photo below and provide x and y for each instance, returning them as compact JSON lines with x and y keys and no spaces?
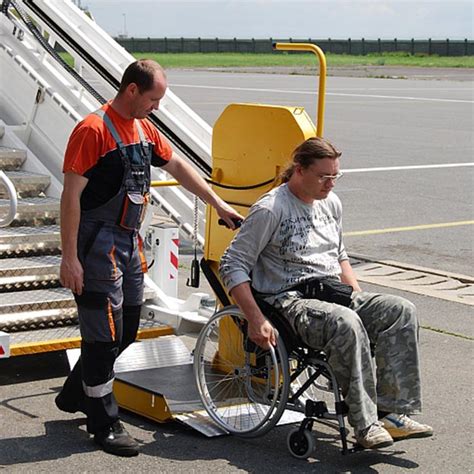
{"x":133,"y":210}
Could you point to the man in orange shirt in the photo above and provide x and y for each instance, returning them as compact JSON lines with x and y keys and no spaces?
{"x":106,"y":188}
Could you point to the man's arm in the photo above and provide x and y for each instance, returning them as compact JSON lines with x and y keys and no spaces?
{"x":348,"y":275}
{"x":236,"y":266}
{"x":260,"y":330}
{"x":71,"y":272}
{"x":192,"y":181}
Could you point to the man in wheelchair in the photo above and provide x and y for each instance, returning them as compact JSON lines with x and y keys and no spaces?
{"x":290,"y":253}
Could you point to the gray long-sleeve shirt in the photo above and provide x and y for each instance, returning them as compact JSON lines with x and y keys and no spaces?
{"x":284,"y":241}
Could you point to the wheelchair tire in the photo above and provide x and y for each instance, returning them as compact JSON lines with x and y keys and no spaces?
{"x":243,"y":387}
{"x":301,"y":444}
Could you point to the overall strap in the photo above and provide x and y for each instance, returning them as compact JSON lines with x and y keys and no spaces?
{"x":113,"y":131}
{"x":145,"y":145}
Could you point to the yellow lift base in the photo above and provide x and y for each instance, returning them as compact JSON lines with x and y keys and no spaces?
{"x":154,"y":379}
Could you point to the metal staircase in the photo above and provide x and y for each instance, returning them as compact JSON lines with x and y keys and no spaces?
{"x":41,"y":101}
{"x":30,"y":293}
{"x":33,"y":305}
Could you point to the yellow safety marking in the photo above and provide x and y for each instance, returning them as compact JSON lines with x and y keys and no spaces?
{"x":150,"y":333}
{"x":45,"y":346}
{"x":36,"y":347}
{"x":405,"y":229}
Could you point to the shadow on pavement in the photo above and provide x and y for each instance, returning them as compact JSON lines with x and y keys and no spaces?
{"x":61,"y":439}
{"x":269,"y":453}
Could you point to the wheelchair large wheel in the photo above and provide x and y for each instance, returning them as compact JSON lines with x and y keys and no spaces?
{"x":243,"y":387}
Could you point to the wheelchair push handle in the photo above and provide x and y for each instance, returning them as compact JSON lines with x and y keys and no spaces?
{"x":237,"y":222}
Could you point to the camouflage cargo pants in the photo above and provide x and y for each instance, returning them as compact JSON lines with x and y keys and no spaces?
{"x":389,"y":324}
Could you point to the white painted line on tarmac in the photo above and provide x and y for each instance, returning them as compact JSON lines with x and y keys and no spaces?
{"x":284,"y":91}
{"x":408,"y":167}
{"x":423,"y":99}
{"x":389,"y":230}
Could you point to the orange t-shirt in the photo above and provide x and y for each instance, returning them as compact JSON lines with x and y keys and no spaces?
{"x":92,"y":152}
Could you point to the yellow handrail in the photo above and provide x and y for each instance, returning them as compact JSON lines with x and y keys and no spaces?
{"x":322,"y":76}
{"x":159,"y":184}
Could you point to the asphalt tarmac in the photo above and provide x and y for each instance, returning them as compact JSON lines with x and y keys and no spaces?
{"x":378,"y":123}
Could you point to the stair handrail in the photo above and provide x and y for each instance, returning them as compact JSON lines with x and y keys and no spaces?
{"x":6,"y":221}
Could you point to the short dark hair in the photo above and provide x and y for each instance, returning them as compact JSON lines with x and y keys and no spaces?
{"x":312,"y":149}
{"x":142,"y":73}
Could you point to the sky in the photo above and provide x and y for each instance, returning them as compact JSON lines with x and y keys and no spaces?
{"x":317,"y":19}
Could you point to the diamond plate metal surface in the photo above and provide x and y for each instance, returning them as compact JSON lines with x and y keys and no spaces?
{"x":44,"y":265}
{"x":29,"y":240}
{"x":11,"y":158}
{"x":30,"y":309}
{"x":31,"y":273}
{"x":27,"y":184}
{"x":56,"y":337}
{"x":33,"y":211}
{"x":202,"y":422}
{"x":164,"y":351}
{"x":38,"y":319}
{"x":36,"y":300}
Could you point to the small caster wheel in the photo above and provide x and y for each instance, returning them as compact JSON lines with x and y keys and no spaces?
{"x":300,"y":443}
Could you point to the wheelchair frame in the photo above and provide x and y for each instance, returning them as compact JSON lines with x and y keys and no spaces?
{"x":252,"y":415}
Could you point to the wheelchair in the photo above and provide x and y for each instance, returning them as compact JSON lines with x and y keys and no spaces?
{"x":246,"y":389}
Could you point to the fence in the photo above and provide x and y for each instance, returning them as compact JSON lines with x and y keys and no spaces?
{"x":445,"y":47}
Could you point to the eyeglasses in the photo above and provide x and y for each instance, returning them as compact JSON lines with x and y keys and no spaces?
{"x":322,"y":179}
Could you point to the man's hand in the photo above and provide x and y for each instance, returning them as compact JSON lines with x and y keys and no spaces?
{"x":261,"y":332}
{"x":228,"y":214}
{"x":71,"y":274}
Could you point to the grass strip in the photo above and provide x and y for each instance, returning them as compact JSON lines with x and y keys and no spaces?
{"x":224,"y":60}
{"x":212,"y":60}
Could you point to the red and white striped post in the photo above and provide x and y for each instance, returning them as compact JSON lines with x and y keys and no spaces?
{"x":165,"y":251}
{"x":4,"y":345}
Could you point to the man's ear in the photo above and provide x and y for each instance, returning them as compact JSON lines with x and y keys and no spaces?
{"x":132,"y":89}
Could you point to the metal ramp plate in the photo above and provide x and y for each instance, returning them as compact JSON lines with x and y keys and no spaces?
{"x":155,"y":379}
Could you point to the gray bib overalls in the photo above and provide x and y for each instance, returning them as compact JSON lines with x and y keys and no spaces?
{"x":110,"y":251}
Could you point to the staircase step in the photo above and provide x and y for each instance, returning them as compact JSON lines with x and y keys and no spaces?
{"x":11,"y":158}
{"x":22,"y":241}
{"x":38,"y":319}
{"x":27,"y":184}
{"x":29,"y":273}
{"x":36,"y":300}
{"x":33,"y":211}
{"x":40,"y":308}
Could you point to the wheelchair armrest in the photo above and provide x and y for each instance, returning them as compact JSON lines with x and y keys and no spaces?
{"x":282,"y":325}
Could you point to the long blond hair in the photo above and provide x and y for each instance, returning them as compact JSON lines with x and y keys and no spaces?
{"x":312,"y":149}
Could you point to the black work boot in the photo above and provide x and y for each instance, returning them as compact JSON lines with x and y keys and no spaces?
{"x":116,"y":440}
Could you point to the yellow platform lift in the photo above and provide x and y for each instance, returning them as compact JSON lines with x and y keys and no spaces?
{"x":251,"y":144}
